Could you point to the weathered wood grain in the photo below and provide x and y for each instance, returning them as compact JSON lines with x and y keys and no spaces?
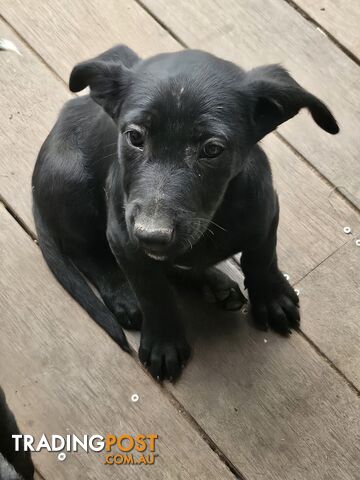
{"x":271,"y":31}
{"x":341,"y":18}
{"x":330,"y":296}
{"x":273,"y":405}
{"x":62,"y":374}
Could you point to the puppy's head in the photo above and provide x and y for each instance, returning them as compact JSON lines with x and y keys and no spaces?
{"x":186,"y":122}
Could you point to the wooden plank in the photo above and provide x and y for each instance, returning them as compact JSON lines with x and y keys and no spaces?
{"x":276,"y":408}
{"x":311,"y":235}
{"x":48,"y":26}
{"x":332,"y":294}
{"x":63,"y":375}
{"x":341,"y":18}
{"x":271,"y":31}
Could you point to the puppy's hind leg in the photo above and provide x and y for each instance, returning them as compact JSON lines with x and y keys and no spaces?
{"x":216,"y":286}
{"x":105,"y":274}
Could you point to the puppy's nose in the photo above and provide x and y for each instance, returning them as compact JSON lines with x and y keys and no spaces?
{"x":155,"y":239}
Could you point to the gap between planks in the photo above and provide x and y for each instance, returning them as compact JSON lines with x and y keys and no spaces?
{"x":38,"y":475}
{"x":161,"y":23}
{"x":312,"y":344}
{"x":17,"y":219}
{"x":349,"y":383}
{"x":318,"y":25}
{"x":30,"y":47}
{"x":335,"y":188}
{"x":191,"y":420}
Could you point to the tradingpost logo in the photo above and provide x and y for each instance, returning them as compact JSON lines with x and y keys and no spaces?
{"x":122,"y":449}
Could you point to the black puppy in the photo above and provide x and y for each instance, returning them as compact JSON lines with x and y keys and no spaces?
{"x":157,"y":175}
{"x":14,"y":465}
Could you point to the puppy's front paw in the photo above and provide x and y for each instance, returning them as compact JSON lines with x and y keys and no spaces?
{"x":164,"y":357}
{"x":275,"y":305}
{"x":123,"y":303}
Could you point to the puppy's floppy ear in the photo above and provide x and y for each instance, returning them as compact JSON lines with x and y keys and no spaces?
{"x":275,"y":97}
{"x":107,"y":77}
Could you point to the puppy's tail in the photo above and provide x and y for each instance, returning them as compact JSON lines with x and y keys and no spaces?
{"x":75,"y":284}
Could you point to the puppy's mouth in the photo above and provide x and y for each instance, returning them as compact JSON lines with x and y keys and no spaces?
{"x":156,"y":256}
{"x":174,"y":251}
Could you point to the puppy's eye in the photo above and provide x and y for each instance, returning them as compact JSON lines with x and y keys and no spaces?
{"x":135,"y":138}
{"x":211,"y":150}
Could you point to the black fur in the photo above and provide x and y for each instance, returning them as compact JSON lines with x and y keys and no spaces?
{"x":157,"y":176}
{"x":14,"y":465}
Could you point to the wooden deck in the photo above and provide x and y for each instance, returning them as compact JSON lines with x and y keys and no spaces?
{"x":250,"y":405}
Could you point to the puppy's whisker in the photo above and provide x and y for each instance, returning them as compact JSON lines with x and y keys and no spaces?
{"x":107,"y":156}
{"x":202,"y":221}
{"x":209,"y":234}
{"x":217,"y":225}
{"x":213,"y":223}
